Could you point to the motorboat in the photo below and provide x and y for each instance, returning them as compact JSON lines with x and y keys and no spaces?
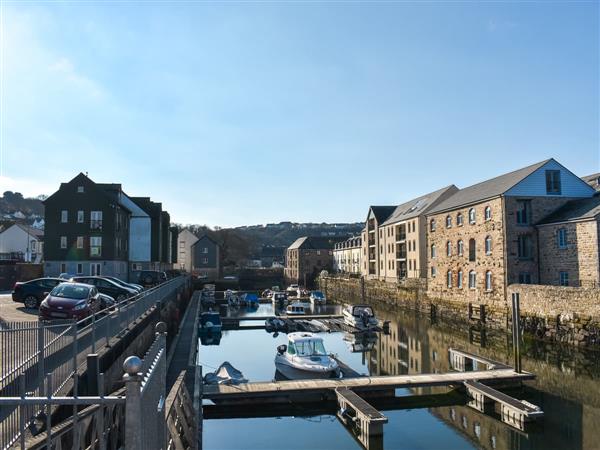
{"x":225,"y":374}
{"x":232,"y":298}
{"x":210,"y":322}
{"x":317,"y":297}
{"x":250,"y":300}
{"x":305,"y":357}
{"x":276,"y":324}
{"x":295,"y":309}
{"x":360,"y":316}
{"x":279,"y":299}
{"x":292,"y":288}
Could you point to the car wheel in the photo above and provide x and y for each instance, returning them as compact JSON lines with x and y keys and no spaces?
{"x":31,"y":302}
{"x":121,"y":297}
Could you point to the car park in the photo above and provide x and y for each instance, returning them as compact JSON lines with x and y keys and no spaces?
{"x":31,"y":293}
{"x":108,"y":287}
{"x":71,"y":301}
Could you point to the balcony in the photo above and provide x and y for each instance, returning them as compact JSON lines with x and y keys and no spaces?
{"x":401,"y":251}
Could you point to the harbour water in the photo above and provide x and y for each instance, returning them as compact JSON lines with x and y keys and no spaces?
{"x":567,"y":388}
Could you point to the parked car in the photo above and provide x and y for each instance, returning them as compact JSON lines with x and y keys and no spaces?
{"x":149,"y":278}
{"x":71,"y":301}
{"x":66,"y":276}
{"x":137,"y":287}
{"x":173,"y":273}
{"x":108,"y":287}
{"x":31,"y":293}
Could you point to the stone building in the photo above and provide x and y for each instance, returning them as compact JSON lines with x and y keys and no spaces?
{"x":185,"y":240}
{"x":306,"y":257}
{"x":570,"y":245}
{"x":484,"y":238}
{"x":593,"y":180}
{"x":347,"y":255}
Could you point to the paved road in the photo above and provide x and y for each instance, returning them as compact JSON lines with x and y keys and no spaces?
{"x":15,"y":312}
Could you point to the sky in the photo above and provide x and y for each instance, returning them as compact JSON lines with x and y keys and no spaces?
{"x":240,"y":113}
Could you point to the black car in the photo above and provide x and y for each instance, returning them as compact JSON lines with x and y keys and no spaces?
{"x":149,"y":278}
{"x":32,"y":292}
{"x":108,"y":287}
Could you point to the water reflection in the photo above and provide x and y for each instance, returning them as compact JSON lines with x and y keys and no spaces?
{"x":567,"y":387}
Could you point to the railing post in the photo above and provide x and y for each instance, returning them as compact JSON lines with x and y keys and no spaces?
{"x":41,"y":369}
{"x":516,"y":331}
{"x":93,"y":332}
{"x":93,"y":371}
{"x":133,"y":403}
{"x":161,"y":335}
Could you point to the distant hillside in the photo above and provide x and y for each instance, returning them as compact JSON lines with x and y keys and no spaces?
{"x":13,"y":202}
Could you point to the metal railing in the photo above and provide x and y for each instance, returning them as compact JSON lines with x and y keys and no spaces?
{"x":29,"y":351}
{"x":100,"y":421}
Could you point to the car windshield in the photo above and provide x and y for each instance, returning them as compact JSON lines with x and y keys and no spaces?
{"x":70,"y":291}
{"x":310,"y":348}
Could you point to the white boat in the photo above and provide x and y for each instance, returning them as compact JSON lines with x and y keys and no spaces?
{"x":292,"y":288}
{"x":295,"y":309}
{"x":279,"y":299}
{"x":305,"y":357}
{"x":317,"y":298}
{"x":360,"y":316}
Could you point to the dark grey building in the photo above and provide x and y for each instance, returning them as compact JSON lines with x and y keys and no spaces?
{"x":206,"y":258}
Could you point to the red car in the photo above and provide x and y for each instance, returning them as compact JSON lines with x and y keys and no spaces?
{"x":71,"y":301}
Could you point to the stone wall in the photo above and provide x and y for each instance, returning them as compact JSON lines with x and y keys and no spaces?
{"x":553,"y":313}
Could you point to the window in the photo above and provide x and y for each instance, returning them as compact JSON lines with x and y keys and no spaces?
{"x":79,"y":243}
{"x":433,"y":271}
{"x":205,"y":250}
{"x":472,"y":216}
{"x":63,"y":268}
{"x":95,"y":269}
{"x":449,"y":278}
{"x":448,"y":221}
{"x":64,"y":216}
{"x":63,"y":242}
{"x":488,"y":281}
{"x":564,"y":278}
{"x":472,"y":250}
{"x":562,"y":238}
{"x":318,"y":252}
{"x":204,"y":260}
{"x":488,"y":245}
{"x":432,"y":225}
{"x":523,"y":208}
{"x":488,"y":213}
{"x":182,"y":244}
{"x":472,"y":279}
{"x":80,"y":190}
{"x":524,"y":246}
{"x":553,"y":182}
{"x":96,"y":220}
{"x":433,"y":252}
{"x":79,"y":269}
{"x":525,"y":278}
{"x":448,"y":248}
{"x":459,"y":279}
{"x":459,"y":220}
{"x":459,"y":246}
{"x":136,"y":267}
{"x":95,"y":246}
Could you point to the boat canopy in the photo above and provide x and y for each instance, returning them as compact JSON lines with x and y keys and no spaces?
{"x":318,"y":294}
{"x":357,"y":310}
{"x":212,"y":317}
{"x":251,"y":298}
{"x":305,"y":344}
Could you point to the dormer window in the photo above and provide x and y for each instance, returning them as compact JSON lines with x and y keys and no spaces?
{"x":553,"y":182}
{"x":80,"y":189}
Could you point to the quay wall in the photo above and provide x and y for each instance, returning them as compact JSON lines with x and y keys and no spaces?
{"x":569,"y":315}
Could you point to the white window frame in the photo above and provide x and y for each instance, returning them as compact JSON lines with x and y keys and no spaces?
{"x":448,"y":248}
{"x":79,"y":269}
{"x":79,"y":241}
{"x":488,"y":213}
{"x":472,"y":279}
{"x":460,"y":247}
{"x":562,"y":238}
{"x":80,"y":189}
{"x":63,"y":242}
{"x":80,"y":216}
{"x":488,"y":245}
{"x":64,"y":216}
{"x":96,"y":246}
{"x":459,"y":220}
{"x":459,"y":279}
{"x":472,"y":216}
{"x":449,"y":276}
{"x":488,"y":280}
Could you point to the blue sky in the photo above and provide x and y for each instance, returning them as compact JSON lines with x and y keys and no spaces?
{"x":244,"y":113}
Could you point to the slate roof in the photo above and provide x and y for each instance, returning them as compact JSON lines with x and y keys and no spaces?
{"x":417,"y":206}
{"x":381,"y":213}
{"x":487,"y":189}
{"x":314,"y":242}
{"x":582,"y":209}
{"x":593,"y":180}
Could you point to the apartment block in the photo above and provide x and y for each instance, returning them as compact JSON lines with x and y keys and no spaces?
{"x":347,"y":255}
{"x":306,"y":257}
{"x":484,"y":237}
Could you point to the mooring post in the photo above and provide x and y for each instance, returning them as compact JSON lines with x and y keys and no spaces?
{"x":516,"y":331}
{"x":362,"y":289}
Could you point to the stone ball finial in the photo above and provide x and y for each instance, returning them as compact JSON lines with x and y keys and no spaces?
{"x":161,"y":327}
{"x":132,"y":365}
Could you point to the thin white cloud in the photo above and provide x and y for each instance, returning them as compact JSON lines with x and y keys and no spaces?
{"x":64,"y":67}
{"x":29,"y":187}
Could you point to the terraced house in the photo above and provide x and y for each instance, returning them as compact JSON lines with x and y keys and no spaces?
{"x":484,"y":237}
{"x":347,"y":255}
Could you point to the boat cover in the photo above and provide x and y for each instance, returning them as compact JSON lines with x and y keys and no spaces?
{"x":225,"y":374}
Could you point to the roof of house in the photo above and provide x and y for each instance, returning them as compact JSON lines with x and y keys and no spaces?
{"x":314,"y":242}
{"x":593,"y":180}
{"x":202,"y":236}
{"x":36,"y":232}
{"x":417,"y":206}
{"x":487,"y":189}
{"x":381,"y":213}
{"x":587,"y":208}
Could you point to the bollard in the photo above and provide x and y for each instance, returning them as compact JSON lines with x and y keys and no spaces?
{"x":516,"y":331}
